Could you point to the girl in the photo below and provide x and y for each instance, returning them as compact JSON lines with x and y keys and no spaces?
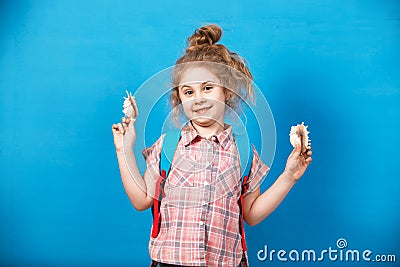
{"x":200,"y":212}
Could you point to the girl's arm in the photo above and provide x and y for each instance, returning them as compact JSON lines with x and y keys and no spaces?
{"x":258,"y":206}
{"x":135,"y":187}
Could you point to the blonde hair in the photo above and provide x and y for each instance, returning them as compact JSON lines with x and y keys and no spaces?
{"x":230,"y":68}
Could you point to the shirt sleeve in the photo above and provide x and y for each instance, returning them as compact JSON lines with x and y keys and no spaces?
{"x":152,"y":158}
{"x":257,"y":172}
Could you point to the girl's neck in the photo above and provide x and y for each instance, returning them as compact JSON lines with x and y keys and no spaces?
{"x":208,"y":131}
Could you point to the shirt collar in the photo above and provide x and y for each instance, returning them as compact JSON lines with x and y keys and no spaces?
{"x":190,"y":135}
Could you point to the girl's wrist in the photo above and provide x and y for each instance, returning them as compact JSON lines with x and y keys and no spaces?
{"x":121,"y":150}
{"x":289,"y":177}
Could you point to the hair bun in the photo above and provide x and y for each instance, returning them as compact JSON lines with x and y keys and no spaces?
{"x":206,"y":35}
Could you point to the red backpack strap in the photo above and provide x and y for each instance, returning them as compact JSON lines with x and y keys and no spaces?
{"x":241,"y":207}
{"x":155,"y":209}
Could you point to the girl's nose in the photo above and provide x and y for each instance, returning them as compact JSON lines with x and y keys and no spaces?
{"x":199,"y":99}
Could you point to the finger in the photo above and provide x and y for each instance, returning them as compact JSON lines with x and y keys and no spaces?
{"x":309,"y":160}
{"x":132,"y":120}
{"x":114,"y":128}
{"x":131,"y":123}
{"x":127,"y":122}
{"x":308,"y":152}
{"x":126,"y":126}
{"x":124,"y":122}
{"x":121,"y":128}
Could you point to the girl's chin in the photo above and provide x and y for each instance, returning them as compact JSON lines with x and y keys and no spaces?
{"x":203,"y":120}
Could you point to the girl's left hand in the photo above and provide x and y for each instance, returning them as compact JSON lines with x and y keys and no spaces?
{"x":297,"y":163}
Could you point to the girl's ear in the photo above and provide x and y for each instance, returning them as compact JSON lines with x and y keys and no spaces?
{"x":175,"y":96}
{"x":228,"y":95}
{"x":178,"y":93}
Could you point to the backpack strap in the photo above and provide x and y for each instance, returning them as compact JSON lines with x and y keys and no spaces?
{"x":245,"y":151}
{"x":169,"y":145}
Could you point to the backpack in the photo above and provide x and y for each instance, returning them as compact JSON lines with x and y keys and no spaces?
{"x":169,"y":146}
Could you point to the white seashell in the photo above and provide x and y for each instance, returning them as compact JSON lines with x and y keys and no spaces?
{"x":299,"y":136}
{"x":129,"y":106}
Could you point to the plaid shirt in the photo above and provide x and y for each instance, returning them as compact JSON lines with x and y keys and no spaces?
{"x":200,"y":211}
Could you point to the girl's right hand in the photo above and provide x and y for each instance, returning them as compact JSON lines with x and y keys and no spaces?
{"x":124,"y":134}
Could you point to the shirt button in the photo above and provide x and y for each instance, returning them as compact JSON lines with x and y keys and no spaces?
{"x":201,"y":223}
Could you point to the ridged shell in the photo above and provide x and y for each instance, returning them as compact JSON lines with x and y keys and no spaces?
{"x":129,"y":106}
{"x":299,"y":136}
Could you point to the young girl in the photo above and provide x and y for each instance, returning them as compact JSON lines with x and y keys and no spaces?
{"x":200,"y":213}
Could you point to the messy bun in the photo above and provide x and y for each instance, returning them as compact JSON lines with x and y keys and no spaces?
{"x":230,"y":68}
{"x":206,"y":35}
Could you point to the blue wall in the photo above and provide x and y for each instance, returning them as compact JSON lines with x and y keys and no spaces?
{"x":64,"y":67}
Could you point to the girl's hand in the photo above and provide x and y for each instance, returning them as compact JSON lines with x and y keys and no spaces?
{"x":124,"y":134}
{"x":297,"y":163}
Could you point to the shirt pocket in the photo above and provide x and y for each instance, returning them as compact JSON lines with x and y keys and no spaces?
{"x":179,"y":178}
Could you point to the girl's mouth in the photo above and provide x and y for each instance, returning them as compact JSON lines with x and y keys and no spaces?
{"x":202,"y":110}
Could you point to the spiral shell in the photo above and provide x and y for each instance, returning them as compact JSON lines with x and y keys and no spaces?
{"x":299,"y":136}
{"x":130,"y":109}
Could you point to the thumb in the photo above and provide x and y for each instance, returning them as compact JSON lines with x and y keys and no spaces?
{"x":131,"y":124}
{"x":296,"y":152}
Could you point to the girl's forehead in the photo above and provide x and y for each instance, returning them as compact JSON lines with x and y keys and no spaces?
{"x":198,"y":74}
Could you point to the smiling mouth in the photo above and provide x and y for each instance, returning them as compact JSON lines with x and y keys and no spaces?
{"x":202,"y":110}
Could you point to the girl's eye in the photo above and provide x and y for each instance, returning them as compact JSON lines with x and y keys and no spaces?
{"x":208,"y":88}
{"x":188,"y":92}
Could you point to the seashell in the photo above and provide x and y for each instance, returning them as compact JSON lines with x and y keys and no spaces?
{"x":299,"y":136}
{"x":130,"y":108}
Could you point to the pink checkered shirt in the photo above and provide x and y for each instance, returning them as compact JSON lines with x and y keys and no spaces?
{"x":200,"y":211}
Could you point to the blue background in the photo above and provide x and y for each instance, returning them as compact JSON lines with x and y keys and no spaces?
{"x":64,"y":67}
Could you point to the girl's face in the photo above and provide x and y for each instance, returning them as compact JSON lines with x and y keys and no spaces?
{"x":203,"y":99}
